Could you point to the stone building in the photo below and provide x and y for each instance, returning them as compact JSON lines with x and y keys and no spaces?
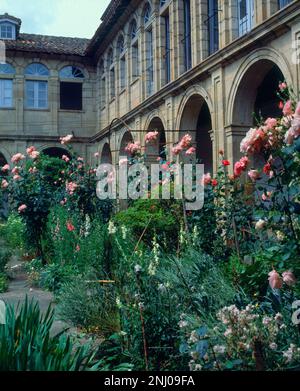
{"x":176,"y":66}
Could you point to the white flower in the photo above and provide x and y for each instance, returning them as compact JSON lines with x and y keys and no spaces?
{"x":260,"y":224}
{"x":111,"y":228}
{"x":124,"y":231}
{"x":273,"y":346}
{"x":219,"y":349}
{"x":182,"y":324}
{"x":137,"y":269}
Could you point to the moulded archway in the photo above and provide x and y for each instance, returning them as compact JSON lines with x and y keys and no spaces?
{"x":157,"y":148}
{"x":196,"y":120}
{"x":106,"y":156}
{"x":126,"y":138}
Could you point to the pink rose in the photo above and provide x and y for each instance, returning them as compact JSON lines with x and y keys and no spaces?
{"x":22,"y":208}
{"x":271,"y":123}
{"x":186,"y":141}
{"x":151,"y":137}
{"x":5,"y":168}
{"x":289,"y":278}
{"x":65,"y":158}
{"x":282,"y":86}
{"x":16,"y":177}
{"x":288,"y":109}
{"x":176,"y":150}
{"x":97,"y":154}
{"x":66,"y":139}
{"x":206,"y":179}
{"x":4,"y":184}
{"x":17,"y":158}
{"x":191,"y":151}
{"x":254,"y":175}
{"x":275,"y":280}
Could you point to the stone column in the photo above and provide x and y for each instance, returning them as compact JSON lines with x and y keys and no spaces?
{"x":234,"y":135}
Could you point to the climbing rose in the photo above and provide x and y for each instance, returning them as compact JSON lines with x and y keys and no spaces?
{"x":260,"y":224}
{"x":32,"y":170}
{"x":214,"y":183}
{"x":65,"y":158}
{"x":275,"y":280}
{"x":294,"y":130}
{"x":151,"y":137}
{"x":97,"y":154}
{"x":288,"y":109}
{"x":4,"y":184}
{"x":253,"y":175}
{"x":282,"y":86}
{"x":253,"y":142}
{"x":16,"y":177}
{"x":34,"y":154}
{"x":289,"y":278}
{"x":177,"y":149}
{"x":133,"y":148}
{"x":190,"y":151}
{"x":71,"y":187}
{"x":17,"y":158}
{"x":271,"y":123}
{"x":66,"y":139}
{"x":267,"y":169}
{"x":22,"y":208}
{"x":5,"y":168}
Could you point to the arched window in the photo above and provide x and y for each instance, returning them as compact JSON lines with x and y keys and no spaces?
{"x":122,"y":56}
{"x":147,"y":13}
{"x":71,"y":72}
{"x":187,"y":35}
{"x":7,"y":73}
{"x":36,"y":90}
{"x":112,"y":76}
{"x":121,"y":45}
{"x":71,"y":88}
{"x":133,"y":30}
{"x":36,"y":69}
{"x":102,"y":84}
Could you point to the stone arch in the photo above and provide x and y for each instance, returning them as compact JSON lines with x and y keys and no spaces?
{"x":249,"y":78}
{"x":4,"y":156}
{"x":156,"y":148}
{"x":3,"y":160}
{"x":106,"y":155}
{"x":60,"y":65}
{"x":196,"y":120}
{"x":124,"y":138}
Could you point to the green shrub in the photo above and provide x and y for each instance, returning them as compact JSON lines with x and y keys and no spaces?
{"x":3,"y":283}
{"x":4,"y":258}
{"x":26,"y":344}
{"x":163,"y":218}
{"x":53,"y":276}
{"x":13,"y":232}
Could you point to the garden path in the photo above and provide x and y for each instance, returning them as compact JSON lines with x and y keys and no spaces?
{"x":19,"y":289}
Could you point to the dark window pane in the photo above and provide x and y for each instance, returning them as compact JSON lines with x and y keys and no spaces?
{"x":70,"y":96}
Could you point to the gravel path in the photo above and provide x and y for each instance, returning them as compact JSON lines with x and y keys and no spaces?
{"x":19,"y":289}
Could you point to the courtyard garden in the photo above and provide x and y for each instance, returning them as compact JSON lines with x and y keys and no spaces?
{"x":154,"y":286}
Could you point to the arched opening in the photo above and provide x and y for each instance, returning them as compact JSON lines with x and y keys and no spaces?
{"x":106,"y":157}
{"x":156,"y":148}
{"x":256,"y":96}
{"x":56,"y":152}
{"x":196,"y":120}
{"x":126,"y":139}
{"x":4,"y":210}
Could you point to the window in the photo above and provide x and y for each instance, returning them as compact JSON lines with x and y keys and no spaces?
{"x":7,"y":31}
{"x":147,"y":13}
{"x":133,"y":30}
{"x":213,"y":26}
{"x":167,"y":59}
{"x":149,"y":63}
{"x":36,"y":69}
{"x":6,"y":85}
{"x":71,"y":72}
{"x":112,"y":83}
{"x":121,"y":46}
{"x":135,"y":71}
{"x":187,"y":35}
{"x":71,"y":90}
{"x":6,"y":93}
{"x":283,"y":3}
{"x":36,"y":91}
{"x":102,"y":85}
{"x":246,"y":14}
{"x":122,"y":57}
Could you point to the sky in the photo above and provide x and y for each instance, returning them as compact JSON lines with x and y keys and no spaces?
{"x":69,"y":18}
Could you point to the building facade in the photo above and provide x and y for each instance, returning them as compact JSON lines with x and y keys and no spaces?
{"x":175,"y":66}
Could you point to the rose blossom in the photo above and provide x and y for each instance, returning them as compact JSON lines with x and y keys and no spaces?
{"x":151,"y":137}
{"x":191,"y":151}
{"x":71,"y":187}
{"x":97,"y":154}
{"x":177,"y":149}
{"x":226,"y":163}
{"x":22,"y":208}
{"x":289,"y":278}
{"x":70,"y":226}
{"x":206,"y":179}
{"x":17,"y":158}
{"x":282,"y":86}
{"x":253,"y":175}
{"x":133,"y":148}
{"x":275,"y":280}
{"x":287,"y":109}
{"x":4,"y":184}
{"x":16,"y":177}
{"x":271,"y":123}
{"x":5,"y":168}
{"x":66,"y":139}
{"x":65,"y":158}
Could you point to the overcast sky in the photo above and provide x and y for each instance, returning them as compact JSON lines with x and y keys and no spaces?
{"x":69,"y":18}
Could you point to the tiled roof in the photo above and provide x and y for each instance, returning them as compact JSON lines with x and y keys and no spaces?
{"x":48,"y":44}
